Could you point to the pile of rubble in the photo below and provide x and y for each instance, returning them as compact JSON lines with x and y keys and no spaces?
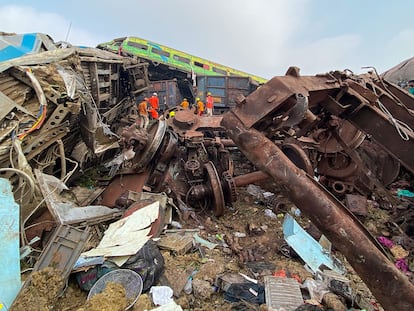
{"x":299,"y":198}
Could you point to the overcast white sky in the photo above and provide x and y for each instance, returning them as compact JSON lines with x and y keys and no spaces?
{"x":262,"y":37}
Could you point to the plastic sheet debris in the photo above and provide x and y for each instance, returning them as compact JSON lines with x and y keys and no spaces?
{"x":269,"y":213}
{"x":148,"y":263}
{"x":68,"y":212}
{"x":203,"y":242}
{"x":405,"y":193}
{"x":253,"y":293}
{"x":316,"y":288}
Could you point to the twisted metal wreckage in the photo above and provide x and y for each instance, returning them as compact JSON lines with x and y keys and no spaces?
{"x":70,"y":109}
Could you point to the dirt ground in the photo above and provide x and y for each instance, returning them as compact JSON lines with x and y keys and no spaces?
{"x":248,"y":241}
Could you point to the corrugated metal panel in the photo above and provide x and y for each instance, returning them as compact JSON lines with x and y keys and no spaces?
{"x":282,"y":293}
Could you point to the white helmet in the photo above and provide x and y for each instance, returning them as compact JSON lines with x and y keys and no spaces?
{"x":155,"y":94}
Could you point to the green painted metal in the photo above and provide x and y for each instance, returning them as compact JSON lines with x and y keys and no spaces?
{"x":162,"y":54}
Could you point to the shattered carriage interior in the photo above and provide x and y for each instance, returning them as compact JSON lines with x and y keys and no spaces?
{"x":87,"y":187}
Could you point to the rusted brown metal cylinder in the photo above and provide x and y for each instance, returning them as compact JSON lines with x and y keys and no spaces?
{"x":250,"y":178}
{"x":389,"y":285}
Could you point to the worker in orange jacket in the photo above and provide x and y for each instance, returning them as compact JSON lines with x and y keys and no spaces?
{"x":209,"y":104}
{"x":154,"y":113}
{"x":200,"y":106}
{"x":185,"y":104}
{"x":143,"y":112}
{"x":154,"y":101}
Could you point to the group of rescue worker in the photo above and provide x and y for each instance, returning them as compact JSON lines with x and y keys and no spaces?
{"x":149,"y":107}
{"x":200,"y":105}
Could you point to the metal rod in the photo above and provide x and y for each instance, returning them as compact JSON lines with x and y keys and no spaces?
{"x":250,"y":178}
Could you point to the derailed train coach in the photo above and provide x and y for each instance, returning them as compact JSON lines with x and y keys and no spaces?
{"x":61,"y":109}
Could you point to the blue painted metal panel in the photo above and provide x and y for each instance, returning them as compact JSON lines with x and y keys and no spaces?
{"x":10,"y":282}
{"x":18,"y":45}
{"x":307,"y":247}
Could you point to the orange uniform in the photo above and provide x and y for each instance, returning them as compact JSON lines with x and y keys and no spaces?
{"x":200,"y":107}
{"x":209,"y":102}
{"x":154,"y":102}
{"x":143,"y":113}
{"x":184,"y":104}
{"x":209,"y":105}
{"x":153,"y":113}
{"x":142,"y":108}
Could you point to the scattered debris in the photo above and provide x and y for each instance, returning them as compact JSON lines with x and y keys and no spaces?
{"x":215,"y":212}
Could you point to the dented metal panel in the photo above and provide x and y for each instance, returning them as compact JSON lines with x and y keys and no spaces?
{"x":63,"y":249}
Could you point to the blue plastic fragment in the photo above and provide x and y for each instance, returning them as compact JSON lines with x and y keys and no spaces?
{"x":405,"y":193}
{"x":10,"y":282}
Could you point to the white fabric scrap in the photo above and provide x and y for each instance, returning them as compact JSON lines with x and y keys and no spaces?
{"x":161,"y":295}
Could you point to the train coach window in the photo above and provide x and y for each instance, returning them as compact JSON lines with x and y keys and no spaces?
{"x":160,"y":52}
{"x":198,"y":64}
{"x":181,"y":59}
{"x":137,"y":45}
{"x":220,"y":71}
{"x":204,"y":66}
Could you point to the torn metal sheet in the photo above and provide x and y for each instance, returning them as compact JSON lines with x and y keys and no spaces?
{"x":126,"y":236}
{"x":10,"y":282}
{"x":66,"y":212}
{"x":312,"y":253}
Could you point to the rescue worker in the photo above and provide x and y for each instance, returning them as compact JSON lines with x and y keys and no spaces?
{"x":143,"y":113}
{"x":154,"y":101}
{"x":172,"y":114}
{"x":209,"y":104}
{"x":200,"y":106}
{"x":153,"y":113}
{"x":185,"y":104}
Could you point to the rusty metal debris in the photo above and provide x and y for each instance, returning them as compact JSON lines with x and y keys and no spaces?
{"x":313,"y":111}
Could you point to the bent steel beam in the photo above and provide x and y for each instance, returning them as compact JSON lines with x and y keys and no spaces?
{"x":390,"y":286}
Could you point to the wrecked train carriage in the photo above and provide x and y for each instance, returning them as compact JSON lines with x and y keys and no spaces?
{"x":294,"y":107}
{"x":61,"y":109}
{"x":333,"y":140}
{"x":184,"y":156}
